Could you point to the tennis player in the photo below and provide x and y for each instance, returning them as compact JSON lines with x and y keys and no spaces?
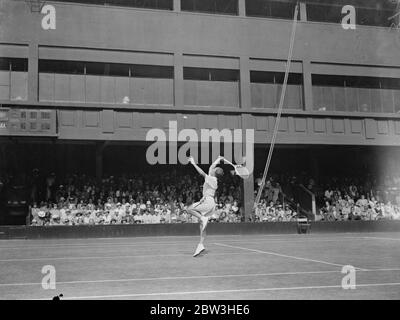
{"x":206,"y":206}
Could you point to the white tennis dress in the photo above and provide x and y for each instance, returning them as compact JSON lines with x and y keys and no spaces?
{"x":207,"y":204}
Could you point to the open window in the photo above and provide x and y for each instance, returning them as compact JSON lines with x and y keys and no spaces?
{"x":211,"y":6}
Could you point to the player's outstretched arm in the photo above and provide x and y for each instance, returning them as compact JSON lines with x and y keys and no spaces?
{"x":215,"y":163}
{"x":228,"y":162}
{"x":199,"y":170}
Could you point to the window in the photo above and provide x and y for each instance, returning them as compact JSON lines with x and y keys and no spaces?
{"x":4,"y":64}
{"x":45,"y":115}
{"x":149,"y":4}
{"x":190,"y":73}
{"x":61,"y":66}
{"x":14,"y":64}
{"x":355,"y":82}
{"x":19,"y":65}
{"x":211,"y":6}
{"x":266,"y":90}
{"x":45,"y":126}
{"x":147,"y":71}
{"x":105,"y":69}
{"x":324,"y":13}
{"x":368,"y":12}
{"x":356,"y":94}
{"x":270,"y":9}
{"x":275,"y":77}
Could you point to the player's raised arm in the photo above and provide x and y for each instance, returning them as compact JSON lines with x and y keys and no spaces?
{"x":226,"y":161}
{"x":199,"y":170}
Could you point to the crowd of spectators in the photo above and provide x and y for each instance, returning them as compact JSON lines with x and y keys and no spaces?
{"x":338,"y":198}
{"x":274,"y":212}
{"x":150,"y":197}
{"x":160,"y":197}
{"x":272,"y":207}
{"x":351,"y":199}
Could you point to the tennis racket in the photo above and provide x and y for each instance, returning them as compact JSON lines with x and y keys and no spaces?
{"x":241,"y":171}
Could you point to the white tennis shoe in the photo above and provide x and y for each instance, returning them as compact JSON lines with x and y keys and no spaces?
{"x":200,"y":248}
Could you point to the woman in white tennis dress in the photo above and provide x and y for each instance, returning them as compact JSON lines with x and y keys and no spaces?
{"x":206,"y":206}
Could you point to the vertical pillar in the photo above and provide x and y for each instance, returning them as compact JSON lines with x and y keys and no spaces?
{"x":307,"y":86}
{"x":303,"y":11}
{"x":178,"y":80}
{"x":242,"y":8}
{"x":247,"y":187}
{"x":245,"y":94}
{"x":33,"y":72}
{"x":177,"y":5}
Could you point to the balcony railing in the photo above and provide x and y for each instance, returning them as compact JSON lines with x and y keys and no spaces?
{"x":105,"y":89}
{"x":267,"y":95}
{"x":13,"y":85}
{"x":349,"y":99}
{"x":211,"y":93}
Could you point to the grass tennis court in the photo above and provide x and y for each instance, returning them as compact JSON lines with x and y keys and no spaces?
{"x":233,"y":267}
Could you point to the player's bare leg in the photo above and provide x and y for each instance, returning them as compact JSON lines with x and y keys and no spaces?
{"x":200,"y":247}
{"x":202,"y":235}
{"x":203,"y":224}
{"x":202,"y":219}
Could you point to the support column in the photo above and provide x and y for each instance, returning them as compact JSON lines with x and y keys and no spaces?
{"x":307,"y":86}
{"x":178,"y":80}
{"x":242,"y":8}
{"x":247,"y":187}
{"x":177,"y":5}
{"x":33,"y":72}
{"x":245,"y":93}
{"x":303,"y":11}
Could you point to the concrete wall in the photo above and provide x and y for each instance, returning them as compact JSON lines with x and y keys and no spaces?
{"x":129,"y":35}
{"x":91,"y":26}
{"x":192,"y":229}
{"x":127,"y":125}
{"x":179,"y":39}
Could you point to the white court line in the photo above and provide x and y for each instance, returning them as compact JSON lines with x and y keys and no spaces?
{"x":193,"y":277}
{"x":285,"y":235}
{"x":380,"y":238}
{"x":224,"y":291}
{"x":173,"y":278}
{"x":111,"y":244}
{"x":117,"y":257}
{"x":294,"y":234}
{"x":285,"y":256}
